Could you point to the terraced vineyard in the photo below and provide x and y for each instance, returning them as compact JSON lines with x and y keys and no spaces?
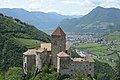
{"x":100,"y":52}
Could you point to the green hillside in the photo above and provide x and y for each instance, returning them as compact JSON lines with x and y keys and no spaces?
{"x":98,"y":50}
{"x":114,"y":36}
{"x":15,"y":38}
{"x":103,"y":51}
{"x":99,"y":21}
{"x":113,"y":40}
{"x":16,"y":28}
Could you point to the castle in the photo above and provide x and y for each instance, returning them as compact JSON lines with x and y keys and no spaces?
{"x":59,"y":54}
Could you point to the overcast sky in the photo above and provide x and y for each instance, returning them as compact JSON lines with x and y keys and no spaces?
{"x":66,"y":7}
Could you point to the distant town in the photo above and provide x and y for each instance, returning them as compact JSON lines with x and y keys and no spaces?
{"x":83,"y":38}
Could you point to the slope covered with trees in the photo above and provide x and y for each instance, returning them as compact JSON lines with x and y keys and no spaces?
{"x":13,"y":34}
{"x":18,"y":29}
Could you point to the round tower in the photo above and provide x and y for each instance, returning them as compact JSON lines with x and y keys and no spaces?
{"x":58,"y":43}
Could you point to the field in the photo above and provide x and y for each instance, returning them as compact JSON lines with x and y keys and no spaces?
{"x":99,"y":51}
{"x":29,"y":43}
{"x":115,"y":36}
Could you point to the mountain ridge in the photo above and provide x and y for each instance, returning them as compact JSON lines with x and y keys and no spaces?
{"x":43,"y":21}
{"x":98,"y":20}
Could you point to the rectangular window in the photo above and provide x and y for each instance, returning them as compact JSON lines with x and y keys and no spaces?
{"x":90,"y":69}
{"x":90,"y":64}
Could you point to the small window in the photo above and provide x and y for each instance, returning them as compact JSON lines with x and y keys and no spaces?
{"x":90,"y":69}
{"x":90,"y":64}
{"x":66,"y":51}
{"x":89,"y":75}
{"x":86,"y":65}
{"x":25,"y":65}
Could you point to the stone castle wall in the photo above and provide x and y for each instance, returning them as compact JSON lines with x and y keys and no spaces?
{"x":86,"y":68}
{"x":58,"y":45}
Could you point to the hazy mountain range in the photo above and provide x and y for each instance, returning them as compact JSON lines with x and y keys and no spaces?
{"x":41,"y":20}
{"x":99,"y":21}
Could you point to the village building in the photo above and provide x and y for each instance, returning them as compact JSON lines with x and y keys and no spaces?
{"x":58,"y":53}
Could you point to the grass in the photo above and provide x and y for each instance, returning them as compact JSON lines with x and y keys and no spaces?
{"x":113,"y":36}
{"x":99,"y":50}
{"x":110,"y":63}
{"x":93,"y":47}
{"x":29,"y":43}
{"x":85,"y":45}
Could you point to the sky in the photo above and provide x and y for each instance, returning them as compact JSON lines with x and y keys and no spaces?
{"x":65,"y":7}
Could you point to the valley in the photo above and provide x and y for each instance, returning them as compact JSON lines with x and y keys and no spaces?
{"x":96,"y":33}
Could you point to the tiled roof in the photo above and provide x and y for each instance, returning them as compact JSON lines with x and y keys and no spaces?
{"x":58,"y":32}
{"x":89,"y":59}
{"x":78,"y":59}
{"x":40,"y":50}
{"x":46,"y":45}
{"x":30,"y":52}
{"x":62,"y":54}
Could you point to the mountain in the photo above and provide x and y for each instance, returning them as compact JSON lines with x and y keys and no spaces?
{"x":43,"y":21}
{"x":16,"y":28}
{"x":15,"y":38}
{"x":99,"y":21}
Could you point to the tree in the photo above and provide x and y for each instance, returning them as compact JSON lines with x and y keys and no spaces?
{"x":117,"y":68}
{"x":2,"y":76}
{"x":103,"y":71}
{"x":1,"y":14}
{"x":48,"y":73}
{"x":14,"y":73}
{"x":11,"y":54}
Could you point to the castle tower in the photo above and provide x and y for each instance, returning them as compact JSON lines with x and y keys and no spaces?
{"x":58,"y":43}
{"x":63,"y":63}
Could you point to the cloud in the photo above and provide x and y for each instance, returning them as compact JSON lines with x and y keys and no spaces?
{"x":61,"y":6}
{"x":6,"y":1}
{"x":51,"y":10}
{"x":71,"y":2}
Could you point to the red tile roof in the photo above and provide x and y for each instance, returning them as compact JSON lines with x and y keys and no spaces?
{"x":40,"y":50}
{"x":62,"y":54}
{"x":58,"y":32}
{"x":78,"y":59}
{"x":46,"y":45}
{"x":30,"y":52}
{"x":89,"y":59}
